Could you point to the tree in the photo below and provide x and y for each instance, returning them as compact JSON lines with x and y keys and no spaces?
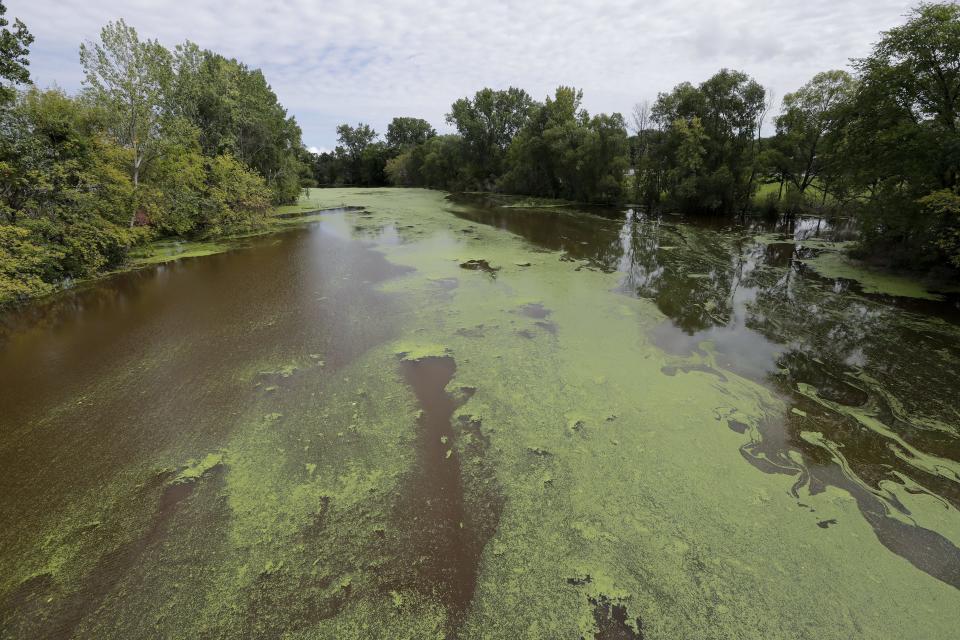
{"x":147,"y":149}
{"x":327,"y":169}
{"x":373,"y":162}
{"x":944,"y":205}
{"x":542,"y":156}
{"x":438,"y":163}
{"x":603,"y":159}
{"x":400,"y":170}
{"x":14,"y":49}
{"x":688,"y":166}
{"x":809,"y":115}
{"x":405,"y":132}
{"x":562,"y":152}
{"x":900,"y":141}
{"x":488,"y":123}
{"x":23,"y":265}
{"x":444,"y":163}
{"x":353,"y":142}
{"x":729,"y":107}
{"x":130,"y":80}
{"x":63,"y":190}
{"x":236,"y":197}
{"x":235,"y":112}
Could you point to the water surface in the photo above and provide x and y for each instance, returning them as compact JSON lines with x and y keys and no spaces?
{"x":419,"y":416}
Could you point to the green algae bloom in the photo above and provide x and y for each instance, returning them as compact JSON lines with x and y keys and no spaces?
{"x":836,"y":265}
{"x":167,"y":250}
{"x":634,"y":429}
{"x":196,"y":469}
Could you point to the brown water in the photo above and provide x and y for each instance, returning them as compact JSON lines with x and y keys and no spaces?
{"x":107,"y":390}
{"x":142,"y":366}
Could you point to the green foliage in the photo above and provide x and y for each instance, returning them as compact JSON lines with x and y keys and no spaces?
{"x":438,"y":163}
{"x":900,"y":139}
{"x":64,"y":190}
{"x":327,"y":169}
{"x":708,"y":152}
{"x":188,"y":142}
{"x":441,"y":163}
{"x":156,"y":144}
{"x":507,"y":141}
{"x":403,"y":133}
{"x":400,"y":170}
{"x":191,"y":194}
{"x":687,"y":173}
{"x":805,"y":144}
{"x":487,"y":124}
{"x":23,"y":265}
{"x":944,"y":206}
{"x":362,"y":159}
{"x":561,"y":152}
{"x":236,"y":112}
{"x":14,"y":48}
{"x":129,"y":79}
{"x":171,"y":200}
{"x":236,"y":197}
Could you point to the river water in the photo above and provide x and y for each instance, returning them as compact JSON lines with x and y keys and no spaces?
{"x":420,"y":416}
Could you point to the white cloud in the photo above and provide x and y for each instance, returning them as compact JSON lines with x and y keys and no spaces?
{"x":354,"y":60}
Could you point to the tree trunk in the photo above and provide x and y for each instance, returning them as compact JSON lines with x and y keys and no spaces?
{"x":136,"y":183}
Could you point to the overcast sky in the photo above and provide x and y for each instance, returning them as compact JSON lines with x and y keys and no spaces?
{"x":333,"y":61}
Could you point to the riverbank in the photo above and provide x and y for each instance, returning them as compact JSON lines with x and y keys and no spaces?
{"x":829,"y":258}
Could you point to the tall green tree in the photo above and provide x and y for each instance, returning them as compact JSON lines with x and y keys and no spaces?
{"x":438,"y":163}
{"x":64,"y":189}
{"x":563,"y":152}
{"x":14,"y":52}
{"x":809,"y":115}
{"x":404,"y":132}
{"x":901,"y":138}
{"x":236,"y":112}
{"x":729,"y":107}
{"x":353,"y":143}
{"x":145,"y":142}
{"x":488,"y":123}
{"x":130,"y":80}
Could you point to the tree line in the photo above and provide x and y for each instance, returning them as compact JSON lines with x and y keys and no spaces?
{"x":505,"y":140}
{"x":878,"y":142}
{"x":186,"y":142}
{"x":158,"y":142}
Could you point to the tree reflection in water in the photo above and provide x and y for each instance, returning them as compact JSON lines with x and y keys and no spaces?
{"x":872,"y":381}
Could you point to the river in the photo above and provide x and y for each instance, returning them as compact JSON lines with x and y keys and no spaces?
{"x":421,"y":416}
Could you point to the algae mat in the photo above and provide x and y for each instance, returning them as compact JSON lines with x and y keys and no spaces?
{"x":429,"y":418}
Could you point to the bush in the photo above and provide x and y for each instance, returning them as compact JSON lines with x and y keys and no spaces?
{"x":236,"y":198}
{"x":23,"y":265}
{"x":944,"y":206}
